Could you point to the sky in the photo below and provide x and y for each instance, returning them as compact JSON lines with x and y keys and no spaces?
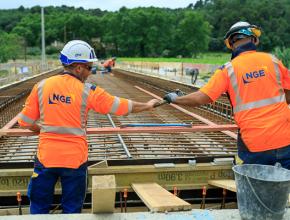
{"x":109,"y":5}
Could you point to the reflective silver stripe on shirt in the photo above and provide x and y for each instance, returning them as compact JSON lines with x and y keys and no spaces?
{"x":63,"y":130}
{"x":85,"y":95}
{"x":130,"y":106}
{"x":40,"y":100}
{"x":260,"y":103}
{"x":26,"y":119}
{"x":234,"y":82}
{"x":115,"y":105}
{"x":277,"y":72}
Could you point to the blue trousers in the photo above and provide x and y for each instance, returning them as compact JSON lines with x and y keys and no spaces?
{"x":42,"y":184}
{"x":269,"y":157}
{"x":109,"y":69}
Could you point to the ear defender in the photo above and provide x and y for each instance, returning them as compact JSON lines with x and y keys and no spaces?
{"x":227,"y":43}
{"x":256,"y":30}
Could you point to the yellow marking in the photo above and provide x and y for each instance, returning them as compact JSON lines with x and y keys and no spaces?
{"x":239,"y":161}
{"x":34,"y":175}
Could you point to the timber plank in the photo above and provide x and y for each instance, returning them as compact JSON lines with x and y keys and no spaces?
{"x":225,"y":184}
{"x":158,"y":199}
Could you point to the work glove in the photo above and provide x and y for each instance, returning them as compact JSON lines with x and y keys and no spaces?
{"x":172,"y":96}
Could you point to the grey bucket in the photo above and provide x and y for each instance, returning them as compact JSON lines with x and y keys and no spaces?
{"x":262,"y":191}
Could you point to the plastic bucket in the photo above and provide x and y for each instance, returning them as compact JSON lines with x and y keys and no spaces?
{"x":262,"y":191}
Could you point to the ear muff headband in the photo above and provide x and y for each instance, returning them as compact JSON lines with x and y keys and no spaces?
{"x":256,"y":31}
{"x":227,"y":43}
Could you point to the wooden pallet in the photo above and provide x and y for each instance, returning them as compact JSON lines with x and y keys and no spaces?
{"x":158,"y":199}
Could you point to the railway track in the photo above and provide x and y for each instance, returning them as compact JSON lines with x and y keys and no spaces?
{"x":20,"y":151}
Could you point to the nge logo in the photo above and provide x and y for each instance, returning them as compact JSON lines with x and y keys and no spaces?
{"x":250,"y":76}
{"x":55,"y":98}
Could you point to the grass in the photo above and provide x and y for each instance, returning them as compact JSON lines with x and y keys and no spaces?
{"x":206,"y":58}
{"x":3,"y":73}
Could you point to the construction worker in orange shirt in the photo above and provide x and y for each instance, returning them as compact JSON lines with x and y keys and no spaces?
{"x":108,"y":64}
{"x":60,"y":106}
{"x":258,"y":86}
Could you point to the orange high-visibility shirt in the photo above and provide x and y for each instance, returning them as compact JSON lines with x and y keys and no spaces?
{"x":109,"y":62}
{"x":61,"y":104}
{"x":255,"y":82}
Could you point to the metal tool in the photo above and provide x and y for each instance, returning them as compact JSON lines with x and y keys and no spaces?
{"x":162,"y":102}
{"x":156,"y":125}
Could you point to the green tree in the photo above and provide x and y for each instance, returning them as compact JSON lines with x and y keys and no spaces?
{"x":138,"y":32}
{"x":283,"y":54}
{"x":9,"y":46}
{"x":30,"y":28}
{"x":193,"y":34}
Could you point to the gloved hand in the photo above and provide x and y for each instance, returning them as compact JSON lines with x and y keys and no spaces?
{"x":171,"y":97}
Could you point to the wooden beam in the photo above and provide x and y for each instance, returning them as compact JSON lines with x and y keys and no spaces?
{"x":225,"y":184}
{"x":158,"y":199}
{"x":118,"y":130}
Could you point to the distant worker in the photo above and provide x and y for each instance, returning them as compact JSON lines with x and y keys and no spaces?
{"x":258,"y":85}
{"x":60,"y":106}
{"x":108,"y":64}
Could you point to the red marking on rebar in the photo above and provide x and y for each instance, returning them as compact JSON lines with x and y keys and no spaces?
{"x":175,"y":190}
{"x":118,"y":130}
{"x":125,"y":193}
{"x":204,"y":190}
{"x":19,"y":199}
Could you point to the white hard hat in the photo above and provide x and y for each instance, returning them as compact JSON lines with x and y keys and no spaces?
{"x":77,"y":51}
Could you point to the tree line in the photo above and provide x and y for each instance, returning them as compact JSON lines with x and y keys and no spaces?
{"x":146,"y":32}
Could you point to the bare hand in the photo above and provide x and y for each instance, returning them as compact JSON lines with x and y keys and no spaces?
{"x":152,"y":103}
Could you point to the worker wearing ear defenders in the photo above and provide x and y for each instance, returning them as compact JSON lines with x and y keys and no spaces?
{"x":258,"y":86}
{"x":241,"y":30}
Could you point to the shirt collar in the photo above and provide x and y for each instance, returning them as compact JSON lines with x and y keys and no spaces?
{"x":245,"y":47}
{"x":71,"y":74}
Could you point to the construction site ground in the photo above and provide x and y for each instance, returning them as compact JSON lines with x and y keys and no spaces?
{"x":195,"y":214}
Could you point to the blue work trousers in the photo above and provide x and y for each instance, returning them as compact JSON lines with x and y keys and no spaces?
{"x":269,"y":157}
{"x":109,"y":69}
{"x":42,"y":184}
